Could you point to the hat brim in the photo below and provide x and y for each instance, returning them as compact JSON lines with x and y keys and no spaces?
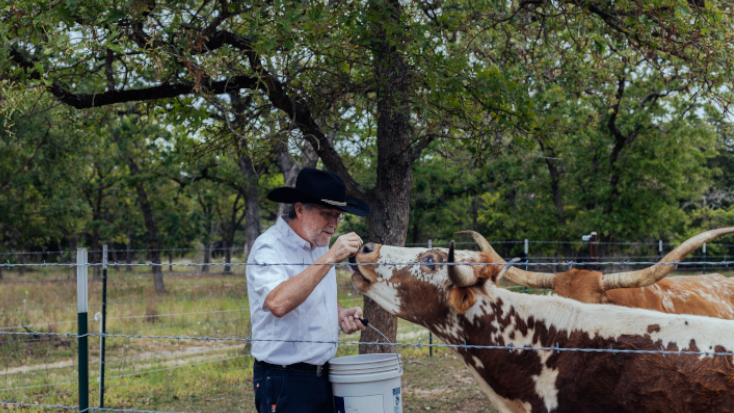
{"x":288,"y":195}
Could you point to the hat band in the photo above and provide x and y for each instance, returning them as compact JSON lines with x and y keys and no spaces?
{"x":335,"y":203}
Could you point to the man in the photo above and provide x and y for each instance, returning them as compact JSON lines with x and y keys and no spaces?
{"x":298,"y":302}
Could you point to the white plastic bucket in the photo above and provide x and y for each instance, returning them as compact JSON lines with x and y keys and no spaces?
{"x":367,"y":383}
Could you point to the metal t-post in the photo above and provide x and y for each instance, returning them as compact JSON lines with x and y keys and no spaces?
{"x":82,"y":339}
{"x":430,"y":335}
{"x":660,"y":250}
{"x":103,"y":327}
{"x":525,"y":258}
{"x":594,"y":251}
{"x":704,"y":258}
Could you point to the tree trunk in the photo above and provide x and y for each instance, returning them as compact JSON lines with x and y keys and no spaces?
{"x":249,"y":172}
{"x":235,"y":223}
{"x":390,"y":200}
{"x":555,"y":177}
{"x":207,"y":258}
{"x":153,"y":243}
{"x":129,"y":251}
{"x":475,"y":213}
{"x":227,"y":258}
{"x":207,"y":248}
{"x":416,"y":228}
{"x":252,"y":207}
{"x":21,"y":268}
{"x":115,"y":259}
{"x":96,"y":255}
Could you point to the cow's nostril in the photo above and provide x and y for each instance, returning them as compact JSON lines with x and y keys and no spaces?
{"x":367,"y":248}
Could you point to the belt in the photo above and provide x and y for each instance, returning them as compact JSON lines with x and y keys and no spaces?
{"x":303,"y":367}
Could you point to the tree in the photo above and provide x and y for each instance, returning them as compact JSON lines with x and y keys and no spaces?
{"x":137,"y":142}
{"x":391,"y":77}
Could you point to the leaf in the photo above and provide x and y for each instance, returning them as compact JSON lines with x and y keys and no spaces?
{"x":114,"y":16}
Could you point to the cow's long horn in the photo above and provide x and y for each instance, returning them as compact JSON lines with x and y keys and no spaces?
{"x":460,"y":275}
{"x":651,"y":275}
{"x":515,"y":275}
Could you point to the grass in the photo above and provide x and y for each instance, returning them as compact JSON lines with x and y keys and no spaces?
{"x":169,"y":374}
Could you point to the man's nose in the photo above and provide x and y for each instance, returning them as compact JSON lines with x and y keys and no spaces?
{"x":367,"y":248}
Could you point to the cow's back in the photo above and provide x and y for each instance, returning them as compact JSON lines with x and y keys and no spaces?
{"x":709,"y":295}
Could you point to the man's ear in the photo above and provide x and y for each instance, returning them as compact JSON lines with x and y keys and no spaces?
{"x":298,"y":209}
{"x":462,"y":299}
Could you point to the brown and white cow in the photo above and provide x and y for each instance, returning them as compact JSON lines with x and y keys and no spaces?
{"x":710,"y":295}
{"x":463,"y":304}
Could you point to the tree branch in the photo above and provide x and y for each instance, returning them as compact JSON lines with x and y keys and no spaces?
{"x":85,"y":101}
{"x":420,"y":146}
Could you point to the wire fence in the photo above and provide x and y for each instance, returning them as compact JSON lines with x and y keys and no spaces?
{"x":417,"y":344}
{"x":392,"y":264}
{"x":434,"y":243}
{"x":133,"y":334}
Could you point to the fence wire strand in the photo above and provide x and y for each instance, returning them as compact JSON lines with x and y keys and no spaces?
{"x":346,"y":264}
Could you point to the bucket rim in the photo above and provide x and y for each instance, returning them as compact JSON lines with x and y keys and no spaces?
{"x":358,"y":359}
{"x":365,"y":378}
{"x":364,"y":371}
{"x":392,"y":362}
{"x":346,"y":371}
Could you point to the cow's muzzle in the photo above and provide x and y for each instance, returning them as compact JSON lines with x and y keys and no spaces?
{"x":353,"y":267}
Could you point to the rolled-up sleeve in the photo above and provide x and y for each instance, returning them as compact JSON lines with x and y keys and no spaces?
{"x":262,"y":279}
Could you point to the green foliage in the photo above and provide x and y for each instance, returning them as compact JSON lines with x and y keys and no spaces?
{"x":539,"y":120}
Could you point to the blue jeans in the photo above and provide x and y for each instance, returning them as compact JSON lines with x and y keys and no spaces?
{"x":287,"y":390}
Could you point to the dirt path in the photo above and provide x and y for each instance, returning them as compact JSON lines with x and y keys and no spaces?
{"x":171,"y":358}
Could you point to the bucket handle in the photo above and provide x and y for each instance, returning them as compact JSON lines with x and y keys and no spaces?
{"x":367,"y":323}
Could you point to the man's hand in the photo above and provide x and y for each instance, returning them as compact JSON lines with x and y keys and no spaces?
{"x":348,"y":320}
{"x":345,"y":246}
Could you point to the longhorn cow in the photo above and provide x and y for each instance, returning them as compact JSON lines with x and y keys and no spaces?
{"x":709,"y":295}
{"x":462,"y":304}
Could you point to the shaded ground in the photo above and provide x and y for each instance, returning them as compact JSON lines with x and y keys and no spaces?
{"x":442,"y":384}
{"x":437,"y":384}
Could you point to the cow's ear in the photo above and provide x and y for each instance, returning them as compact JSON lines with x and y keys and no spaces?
{"x":462,"y":299}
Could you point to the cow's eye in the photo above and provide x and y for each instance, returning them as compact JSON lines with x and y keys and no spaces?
{"x":428,"y":261}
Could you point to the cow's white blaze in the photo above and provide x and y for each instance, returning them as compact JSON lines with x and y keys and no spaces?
{"x":399,"y":256}
{"x":477,"y":363}
{"x":386,"y":296}
{"x":545,"y":382}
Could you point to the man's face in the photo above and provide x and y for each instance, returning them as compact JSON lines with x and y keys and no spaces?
{"x":319,"y":223}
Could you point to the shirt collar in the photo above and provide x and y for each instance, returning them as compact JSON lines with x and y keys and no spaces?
{"x":290,"y":235}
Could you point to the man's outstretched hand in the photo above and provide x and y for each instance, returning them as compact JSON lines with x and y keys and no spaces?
{"x":348,"y":320}
{"x":345,"y":246}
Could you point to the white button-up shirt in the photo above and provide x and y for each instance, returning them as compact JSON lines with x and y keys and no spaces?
{"x":316,"y":319}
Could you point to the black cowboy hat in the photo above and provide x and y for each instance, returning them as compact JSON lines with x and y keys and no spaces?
{"x":320,"y":187}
